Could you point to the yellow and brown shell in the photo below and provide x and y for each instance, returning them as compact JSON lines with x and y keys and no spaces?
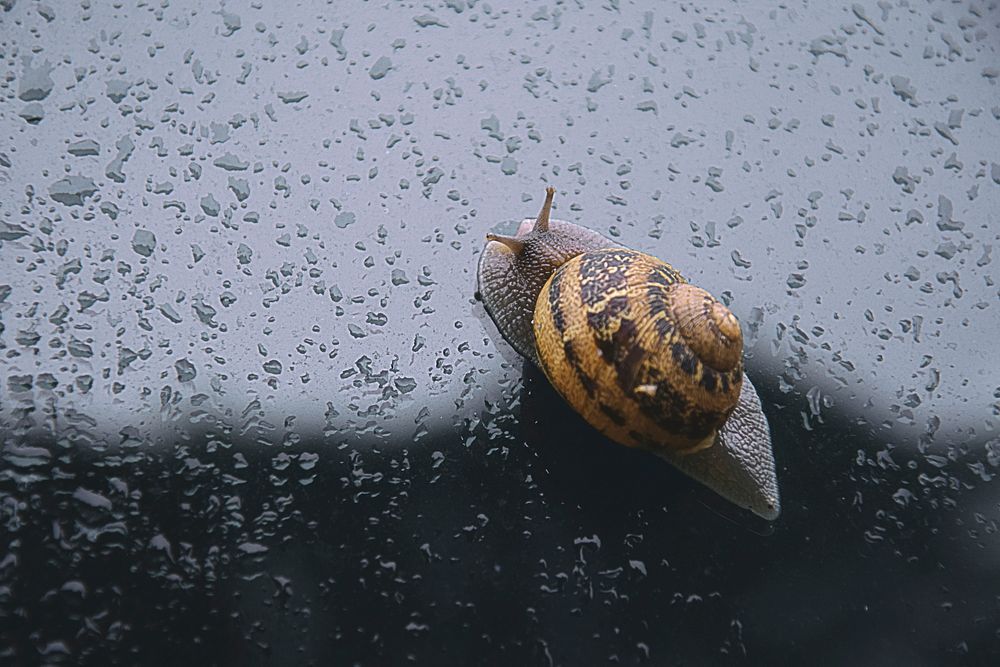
{"x":645,"y":357}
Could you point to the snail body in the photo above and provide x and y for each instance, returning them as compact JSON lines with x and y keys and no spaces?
{"x":645,"y":357}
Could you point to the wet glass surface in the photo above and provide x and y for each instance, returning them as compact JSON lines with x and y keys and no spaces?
{"x":252,"y":412}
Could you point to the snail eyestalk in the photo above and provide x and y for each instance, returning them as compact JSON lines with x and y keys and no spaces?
{"x":515,"y":245}
{"x":542,"y":221}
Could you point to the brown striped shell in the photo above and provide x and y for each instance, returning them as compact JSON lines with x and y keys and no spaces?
{"x":645,"y":357}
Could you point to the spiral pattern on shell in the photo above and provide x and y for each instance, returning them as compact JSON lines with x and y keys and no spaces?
{"x":710,"y":329}
{"x":643,"y":356}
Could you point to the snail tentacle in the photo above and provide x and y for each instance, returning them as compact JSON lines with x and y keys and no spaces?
{"x":542,"y":221}
{"x":516,"y":245}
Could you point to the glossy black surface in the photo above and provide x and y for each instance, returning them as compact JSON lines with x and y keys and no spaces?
{"x":252,"y":413}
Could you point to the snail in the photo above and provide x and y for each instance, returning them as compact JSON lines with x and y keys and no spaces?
{"x":645,"y":357}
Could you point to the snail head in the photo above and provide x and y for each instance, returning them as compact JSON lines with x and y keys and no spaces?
{"x":543,"y":249}
{"x":513,"y":269}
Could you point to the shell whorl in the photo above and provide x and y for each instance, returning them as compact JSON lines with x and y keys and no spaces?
{"x":710,"y":329}
{"x":644,"y":357}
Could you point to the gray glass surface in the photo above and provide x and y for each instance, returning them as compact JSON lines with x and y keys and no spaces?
{"x":252,"y":412}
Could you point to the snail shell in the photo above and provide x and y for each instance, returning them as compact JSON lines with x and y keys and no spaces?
{"x":645,"y":357}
